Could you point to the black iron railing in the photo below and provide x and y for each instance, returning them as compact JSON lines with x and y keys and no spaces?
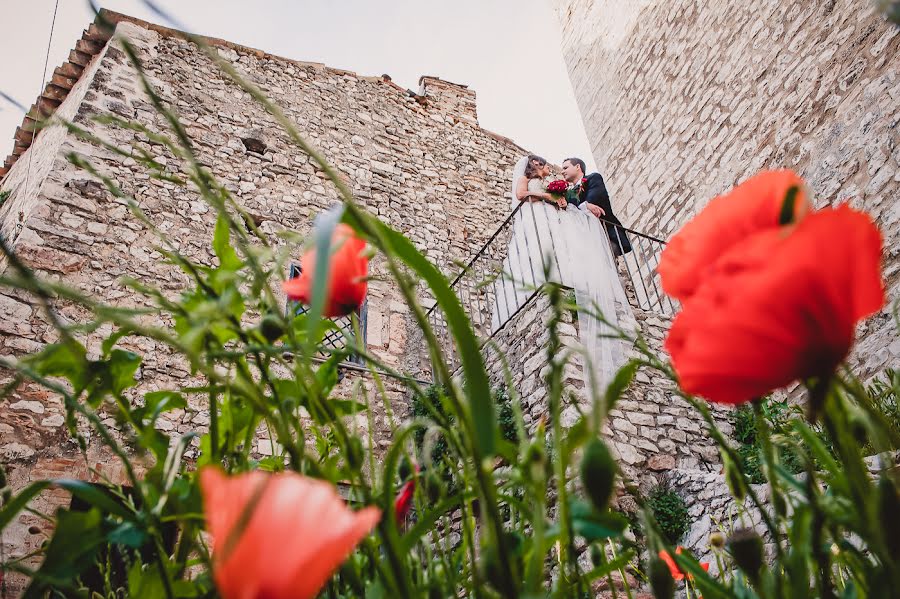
{"x":503,"y":275}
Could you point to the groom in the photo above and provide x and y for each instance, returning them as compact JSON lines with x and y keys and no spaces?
{"x":589,"y":193}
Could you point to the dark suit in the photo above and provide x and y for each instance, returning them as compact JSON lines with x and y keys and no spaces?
{"x":593,"y":191}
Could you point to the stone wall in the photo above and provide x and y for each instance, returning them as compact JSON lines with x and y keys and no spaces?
{"x":683,"y":99}
{"x":518,"y":350}
{"x":416,"y":161}
{"x":651,"y":430}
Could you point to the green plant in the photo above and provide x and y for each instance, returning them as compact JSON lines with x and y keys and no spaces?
{"x":521,"y":526}
{"x":4,"y":195}
{"x":670,"y":512}
{"x":779,"y":416}
{"x":506,"y":416}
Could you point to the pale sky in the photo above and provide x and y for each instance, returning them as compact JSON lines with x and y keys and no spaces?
{"x":506,"y":50}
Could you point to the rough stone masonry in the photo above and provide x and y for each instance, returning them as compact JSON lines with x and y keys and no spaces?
{"x":419,"y":160}
{"x":683,"y":99}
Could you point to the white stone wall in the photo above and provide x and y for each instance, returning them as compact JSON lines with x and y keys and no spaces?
{"x":683,"y":99}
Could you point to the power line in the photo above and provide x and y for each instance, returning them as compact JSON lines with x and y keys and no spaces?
{"x":40,"y":93}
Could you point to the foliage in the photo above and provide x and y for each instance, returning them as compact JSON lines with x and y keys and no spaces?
{"x":778,"y":414}
{"x":4,"y":195}
{"x":670,"y":512}
{"x":520,"y":523}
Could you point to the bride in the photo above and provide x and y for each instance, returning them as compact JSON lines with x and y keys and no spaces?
{"x":535,"y":242}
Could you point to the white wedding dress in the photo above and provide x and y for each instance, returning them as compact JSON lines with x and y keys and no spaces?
{"x":572,"y":248}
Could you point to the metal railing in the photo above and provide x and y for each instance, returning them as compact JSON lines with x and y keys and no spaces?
{"x":492,"y":295}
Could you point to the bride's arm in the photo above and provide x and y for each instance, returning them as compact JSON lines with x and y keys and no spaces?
{"x":522,"y":193}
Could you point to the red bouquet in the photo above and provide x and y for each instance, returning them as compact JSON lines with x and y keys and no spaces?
{"x":558,"y":187}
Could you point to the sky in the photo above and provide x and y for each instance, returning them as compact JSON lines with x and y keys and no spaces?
{"x":508,"y":51}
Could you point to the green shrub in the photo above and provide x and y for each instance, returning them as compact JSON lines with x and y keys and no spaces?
{"x":778,"y":414}
{"x":670,"y":512}
{"x":506,"y":417}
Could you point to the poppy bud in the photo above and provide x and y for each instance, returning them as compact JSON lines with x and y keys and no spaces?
{"x":490,"y":563}
{"x":536,"y":456}
{"x":355,"y":454}
{"x":598,"y":473}
{"x":404,"y":469}
{"x":889,"y":506}
{"x":271,"y":327}
{"x":661,"y":581}
{"x":746,"y":548}
{"x":717,"y":540}
{"x":734,"y":478}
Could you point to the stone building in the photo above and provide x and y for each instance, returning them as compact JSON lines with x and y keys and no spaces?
{"x":680,"y":101}
{"x":683,"y":99}
{"x":417,"y":159}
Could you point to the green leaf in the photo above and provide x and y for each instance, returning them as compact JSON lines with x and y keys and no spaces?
{"x":145,"y":582}
{"x":110,"y":341}
{"x":122,"y":366}
{"x":796,"y":565}
{"x":620,"y":383}
{"x":75,"y":541}
{"x":129,"y":535}
{"x":96,"y":496}
{"x":345,"y":407}
{"x":68,"y":360}
{"x":18,"y":502}
{"x":616,"y":564}
{"x":705,"y":583}
{"x":156,"y":403}
{"x":477,"y":386}
{"x":594,"y":526}
{"x":228,"y":258}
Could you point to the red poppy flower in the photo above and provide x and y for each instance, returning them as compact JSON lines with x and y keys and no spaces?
{"x":677,"y":574}
{"x":347,"y":271}
{"x":752,"y":207}
{"x":403,"y":503}
{"x":781,"y":306}
{"x":298,"y":534}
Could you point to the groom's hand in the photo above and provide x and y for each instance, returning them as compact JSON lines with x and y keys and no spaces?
{"x":596,"y":210}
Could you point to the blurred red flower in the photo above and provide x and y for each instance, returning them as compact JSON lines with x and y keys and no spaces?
{"x":403,"y":503}
{"x":752,"y":207}
{"x":347,"y":272}
{"x":299,"y":532}
{"x":677,"y":574}
{"x":778,"y":307}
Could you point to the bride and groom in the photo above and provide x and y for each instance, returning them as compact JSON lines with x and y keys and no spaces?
{"x":568,"y":234}
{"x":531,"y":179}
{"x":563,"y":232}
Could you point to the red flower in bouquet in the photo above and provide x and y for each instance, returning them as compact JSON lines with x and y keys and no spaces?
{"x":676,"y":572}
{"x":558,"y":187}
{"x":299,"y":532}
{"x":754,"y":206}
{"x":347,"y":271}
{"x":778,"y":307}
